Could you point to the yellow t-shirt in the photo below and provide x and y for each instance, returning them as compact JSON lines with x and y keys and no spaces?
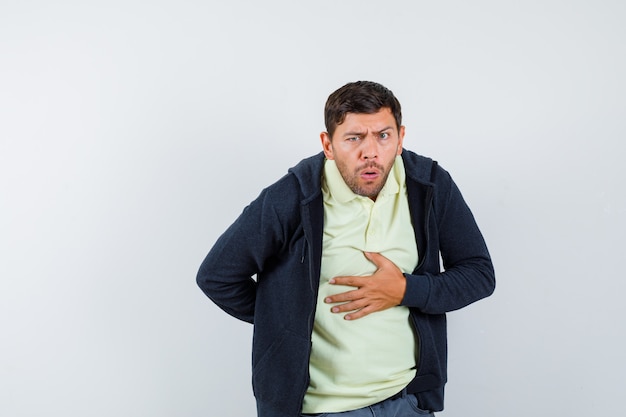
{"x":356,"y":363}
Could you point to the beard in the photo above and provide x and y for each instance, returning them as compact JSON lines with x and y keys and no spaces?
{"x":362,"y":187}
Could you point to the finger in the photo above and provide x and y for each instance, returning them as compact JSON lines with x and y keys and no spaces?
{"x":342,"y":297}
{"x":350,"y":281}
{"x":359,"y":313}
{"x":376,"y":258}
{"x":348,"y":307}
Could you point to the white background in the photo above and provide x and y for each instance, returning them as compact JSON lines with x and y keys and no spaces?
{"x":133,"y":133}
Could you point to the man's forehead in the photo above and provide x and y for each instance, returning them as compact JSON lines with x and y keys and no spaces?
{"x":381,"y":120}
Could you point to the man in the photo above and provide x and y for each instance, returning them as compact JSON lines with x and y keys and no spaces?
{"x":349,"y":300}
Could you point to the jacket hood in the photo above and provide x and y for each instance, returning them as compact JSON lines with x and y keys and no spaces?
{"x":308,"y":173}
{"x":417,"y":167}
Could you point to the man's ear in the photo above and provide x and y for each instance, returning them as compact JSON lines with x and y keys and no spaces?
{"x":400,"y":140}
{"x":327,"y":146}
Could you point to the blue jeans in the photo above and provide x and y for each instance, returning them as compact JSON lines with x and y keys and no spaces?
{"x":404,"y":406}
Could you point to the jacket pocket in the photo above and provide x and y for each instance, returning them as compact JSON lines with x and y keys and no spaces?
{"x":432,"y":349}
{"x":280,"y":375}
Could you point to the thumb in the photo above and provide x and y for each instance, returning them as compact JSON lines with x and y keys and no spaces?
{"x":376,"y":258}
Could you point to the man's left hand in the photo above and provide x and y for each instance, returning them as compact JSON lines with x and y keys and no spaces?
{"x":382,"y":290}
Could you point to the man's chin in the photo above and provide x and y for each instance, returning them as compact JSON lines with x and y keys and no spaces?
{"x":368,"y":190}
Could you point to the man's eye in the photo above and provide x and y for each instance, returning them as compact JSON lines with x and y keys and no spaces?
{"x":384,"y":135}
{"x":353,"y":139}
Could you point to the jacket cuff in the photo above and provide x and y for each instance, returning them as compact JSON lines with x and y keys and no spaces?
{"x":417,"y":291}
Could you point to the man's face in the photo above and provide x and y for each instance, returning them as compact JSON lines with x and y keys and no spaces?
{"x":364,"y":147}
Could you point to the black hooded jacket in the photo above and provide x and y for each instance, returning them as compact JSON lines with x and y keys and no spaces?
{"x":278,"y":239}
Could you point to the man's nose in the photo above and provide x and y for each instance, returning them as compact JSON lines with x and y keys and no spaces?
{"x":370,"y":148}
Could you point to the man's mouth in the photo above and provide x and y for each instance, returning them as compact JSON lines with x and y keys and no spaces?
{"x":370,"y":173}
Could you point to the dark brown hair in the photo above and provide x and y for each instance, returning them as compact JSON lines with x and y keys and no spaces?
{"x":359,"y":97}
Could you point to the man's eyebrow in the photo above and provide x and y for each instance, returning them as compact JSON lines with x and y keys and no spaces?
{"x":354,"y":133}
{"x":361,"y":133}
{"x":382,"y":130}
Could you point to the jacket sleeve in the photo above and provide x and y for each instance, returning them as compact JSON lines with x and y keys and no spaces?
{"x":468,"y":270}
{"x":227,"y":273}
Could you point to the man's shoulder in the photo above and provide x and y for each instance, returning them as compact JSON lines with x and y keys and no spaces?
{"x":309,"y":168}
{"x":301,"y":182}
{"x":307,"y":174}
{"x":418,"y":167}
